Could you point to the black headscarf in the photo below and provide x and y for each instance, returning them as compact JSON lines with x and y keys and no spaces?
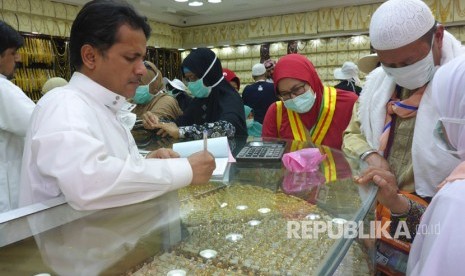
{"x":223,"y":103}
{"x":198,"y":62}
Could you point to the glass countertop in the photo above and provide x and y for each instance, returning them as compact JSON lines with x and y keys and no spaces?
{"x":262,"y":220}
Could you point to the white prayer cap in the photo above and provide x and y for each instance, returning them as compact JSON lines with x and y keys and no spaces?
{"x":53,"y":83}
{"x":397,"y":23}
{"x":258,"y":69}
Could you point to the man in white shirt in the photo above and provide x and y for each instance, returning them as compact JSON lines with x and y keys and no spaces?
{"x":79,"y":144}
{"x":15,"y":111}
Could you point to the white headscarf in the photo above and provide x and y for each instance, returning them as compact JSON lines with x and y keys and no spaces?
{"x":440,"y":252}
{"x":448,"y":93}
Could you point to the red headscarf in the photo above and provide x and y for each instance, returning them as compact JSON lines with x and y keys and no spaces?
{"x":231,"y":76}
{"x":299,"y":67}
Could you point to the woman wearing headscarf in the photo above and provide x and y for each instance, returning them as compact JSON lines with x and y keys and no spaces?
{"x":439,"y":243}
{"x":308,"y":111}
{"x":216,"y":107}
{"x":151,"y":97}
{"x":254,"y":128}
{"x":232,"y":78}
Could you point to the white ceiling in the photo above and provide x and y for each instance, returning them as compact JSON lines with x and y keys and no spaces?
{"x":180,"y":14}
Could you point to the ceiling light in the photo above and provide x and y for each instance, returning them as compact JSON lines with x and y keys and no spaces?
{"x":214,"y":1}
{"x":195,"y":3}
{"x":181,"y":0}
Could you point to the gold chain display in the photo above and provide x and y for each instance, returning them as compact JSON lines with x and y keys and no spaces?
{"x":40,"y":60}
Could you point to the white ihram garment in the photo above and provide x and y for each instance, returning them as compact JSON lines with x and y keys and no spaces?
{"x":430,"y":164}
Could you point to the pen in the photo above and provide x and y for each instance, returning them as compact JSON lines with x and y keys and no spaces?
{"x":205,"y":135}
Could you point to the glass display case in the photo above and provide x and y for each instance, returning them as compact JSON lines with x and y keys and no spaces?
{"x":261,"y":220}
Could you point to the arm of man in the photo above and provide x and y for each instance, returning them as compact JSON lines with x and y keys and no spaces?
{"x":355,"y":144}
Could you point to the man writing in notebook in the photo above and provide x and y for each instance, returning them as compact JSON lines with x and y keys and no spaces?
{"x":79,"y":143}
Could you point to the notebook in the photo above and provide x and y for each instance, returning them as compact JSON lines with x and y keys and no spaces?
{"x":218,"y":147}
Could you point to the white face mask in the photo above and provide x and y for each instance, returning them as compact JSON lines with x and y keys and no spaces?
{"x":414,"y":75}
{"x":301,"y":103}
{"x":443,"y":140}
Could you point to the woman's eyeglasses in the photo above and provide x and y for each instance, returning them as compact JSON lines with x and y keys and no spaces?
{"x":295,"y":91}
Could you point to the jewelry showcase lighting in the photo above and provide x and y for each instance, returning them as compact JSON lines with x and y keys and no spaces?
{"x":196,"y":3}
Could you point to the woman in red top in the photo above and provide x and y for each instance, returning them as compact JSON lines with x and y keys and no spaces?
{"x":308,"y":111}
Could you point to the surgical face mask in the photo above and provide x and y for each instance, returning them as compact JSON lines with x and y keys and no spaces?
{"x":198,"y":89}
{"x":302,"y":103}
{"x":249,"y":123}
{"x":143,"y":95}
{"x":442,"y":139}
{"x":415,"y":75}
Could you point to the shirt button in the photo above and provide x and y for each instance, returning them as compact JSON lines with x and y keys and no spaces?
{"x":117,"y":97}
{"x":115,"y":102}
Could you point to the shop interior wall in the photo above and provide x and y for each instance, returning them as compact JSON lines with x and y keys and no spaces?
{"x":328,"y":36}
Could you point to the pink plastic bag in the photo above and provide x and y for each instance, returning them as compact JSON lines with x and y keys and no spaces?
{"x":304,"y":160}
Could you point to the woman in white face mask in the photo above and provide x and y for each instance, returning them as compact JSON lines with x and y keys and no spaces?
{"x":308,"y":111}
{"x":216,"y":108}
{"x":150,"y":96}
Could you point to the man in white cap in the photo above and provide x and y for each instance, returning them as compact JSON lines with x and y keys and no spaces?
{"x":348,"y":75}
{"x":177,"y":89}
{"x":395,"y":115}
{"x":52,"y":83}
{"x":410,"y":44}
{"x":260,"y":95}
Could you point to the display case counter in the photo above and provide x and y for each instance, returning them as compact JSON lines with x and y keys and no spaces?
{"x":262,"y":220}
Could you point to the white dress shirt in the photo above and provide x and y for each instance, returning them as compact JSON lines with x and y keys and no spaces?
{"x":15,"y":112}
{"x":78,"y":146}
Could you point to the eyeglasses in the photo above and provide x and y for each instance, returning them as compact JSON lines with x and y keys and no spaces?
{"x":295,"y":91}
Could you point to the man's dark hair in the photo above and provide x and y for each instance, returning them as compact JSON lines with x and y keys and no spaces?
{"x":9,"y":38}
{"x":97,"y":24}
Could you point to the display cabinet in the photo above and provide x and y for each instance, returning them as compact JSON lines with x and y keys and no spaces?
{"x":262,"y":220}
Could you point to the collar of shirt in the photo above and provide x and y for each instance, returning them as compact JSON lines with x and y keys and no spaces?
{"x":3,"y":76}
{"x":100,"y":94}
